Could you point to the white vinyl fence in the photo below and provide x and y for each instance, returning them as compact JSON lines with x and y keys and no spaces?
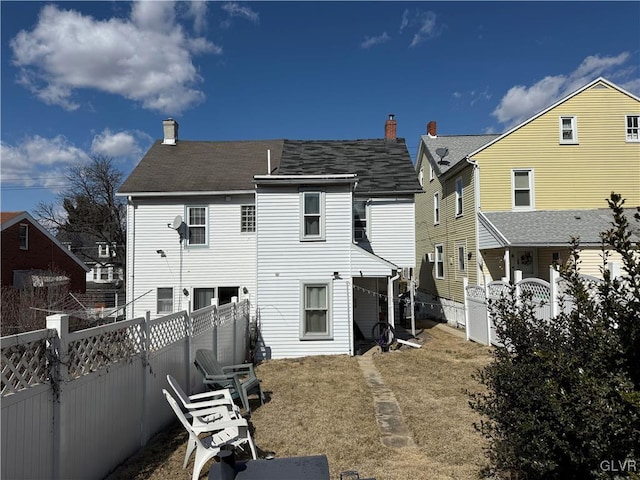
{"x":76,"y":405}
{"x":548,"y":298}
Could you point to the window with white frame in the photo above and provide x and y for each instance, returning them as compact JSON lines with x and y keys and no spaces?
{"x":633,"y":122}
{"x":432,"y":174}
{"x":248,"y":218}
{"x":568,"y":130}
{"x":312,"y":222}
{"x":165,"y":300}
{"x":522,"y":182}
{"x":196,"y":225}
{"x":315,"y":316}
{"x":439,"y":261}
{"x":421,"y":177}
{"x":103,"y":250}
{"x":24,"y":236}
{"x":436,"y":208}
{"x":359,"y":220}
{"x":461,"y":252}
{"x":458,"y":196}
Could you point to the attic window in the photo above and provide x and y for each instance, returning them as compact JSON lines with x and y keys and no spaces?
{"x":568,"y":130}
{"x":24,"y":236}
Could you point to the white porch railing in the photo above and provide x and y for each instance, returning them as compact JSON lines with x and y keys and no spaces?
{"x":77,"y":404}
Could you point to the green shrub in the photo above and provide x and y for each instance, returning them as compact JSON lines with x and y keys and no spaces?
{"x":562,"y":396}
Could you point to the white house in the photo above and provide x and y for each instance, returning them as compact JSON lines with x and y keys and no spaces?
{"x":314,"y":233}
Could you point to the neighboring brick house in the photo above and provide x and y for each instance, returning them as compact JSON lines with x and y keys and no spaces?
{"x":31,"y":255}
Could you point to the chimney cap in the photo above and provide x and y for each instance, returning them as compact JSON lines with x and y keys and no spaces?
{"x":391,"y":115}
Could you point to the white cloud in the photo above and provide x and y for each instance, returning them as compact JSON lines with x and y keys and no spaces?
{"x":522,"y":102}
{"x":119,"y":144}
{"x":39,"y":160}
{"x":147,"y":58}
{"x":424,"y":22}
{"x":369,"y":42}
{"x":234,"y":9}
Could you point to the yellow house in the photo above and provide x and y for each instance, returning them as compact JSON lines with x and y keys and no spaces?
{"x":494,"y":204}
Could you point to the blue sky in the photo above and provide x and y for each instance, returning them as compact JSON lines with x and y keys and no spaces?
{"x":83,"y":78}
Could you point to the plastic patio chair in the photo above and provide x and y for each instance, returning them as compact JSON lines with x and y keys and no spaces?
{"x":213,"y":398}
{"x":226,"y":432}
{"x":240,"y":378}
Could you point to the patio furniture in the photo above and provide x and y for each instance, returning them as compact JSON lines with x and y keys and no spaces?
{"x":208,"y":399}
{"x":241,"y":379}
{"x":233,"y":432}
{"x":314,"y":467}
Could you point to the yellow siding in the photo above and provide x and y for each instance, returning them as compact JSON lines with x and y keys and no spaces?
{"x":568,"y":176}
{"x":451,"y":231}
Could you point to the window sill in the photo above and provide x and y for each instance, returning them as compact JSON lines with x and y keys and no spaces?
{"x":572,"y":142}
{"x":319,"y":337}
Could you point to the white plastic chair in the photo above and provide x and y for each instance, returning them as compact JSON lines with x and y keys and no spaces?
{"x":233,"y":432}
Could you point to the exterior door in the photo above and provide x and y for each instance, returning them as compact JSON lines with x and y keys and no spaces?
{"x":525,"y":259}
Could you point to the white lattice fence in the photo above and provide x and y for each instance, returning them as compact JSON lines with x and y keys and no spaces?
{"x":24,"y":361}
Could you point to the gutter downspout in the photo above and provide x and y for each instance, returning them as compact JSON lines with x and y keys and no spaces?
{"x":390,"y":299}
{"x":476,"y":199}
{"x":130,"y":279}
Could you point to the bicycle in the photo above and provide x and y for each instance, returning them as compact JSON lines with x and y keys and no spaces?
{"x":383,"y":334}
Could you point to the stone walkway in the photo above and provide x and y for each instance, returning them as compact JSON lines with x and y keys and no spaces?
{"x":394,"y":433}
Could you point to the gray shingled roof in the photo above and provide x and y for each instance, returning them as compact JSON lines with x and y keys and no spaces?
{"x":555,"y":228}
{"x":191,"y":166}
{"x":459,"y":146}
{"x":382,"y":166}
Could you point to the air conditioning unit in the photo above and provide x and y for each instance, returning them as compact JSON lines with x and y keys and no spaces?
{"x":431,"y":257}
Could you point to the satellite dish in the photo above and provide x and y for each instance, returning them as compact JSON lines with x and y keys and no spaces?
{"x":442,"y":152}
{"x":177,"y":222}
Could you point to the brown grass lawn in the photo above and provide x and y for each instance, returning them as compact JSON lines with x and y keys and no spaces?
{"x":322,"y":405}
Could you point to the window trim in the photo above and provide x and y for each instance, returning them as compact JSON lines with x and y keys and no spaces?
{"x":459,"y":207}
{"x":188,"y":243}
{"x":439,"y":259}
{"x":432,"y":173}
{"x":23,"y":238}
{"x":532,"y":198}
{"x":250,"y":226}
{"x":436,"y":208}
{"x":574,"y":130}
{"x":158,"y":310}
{"x":366,"y":229}
{"x":320,"y":237}
{"x":629,"y":136}
{"x":461,"y":245}
{"x":328,"y":333}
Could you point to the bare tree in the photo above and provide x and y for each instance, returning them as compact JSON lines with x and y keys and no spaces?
{"x":88,"y":210}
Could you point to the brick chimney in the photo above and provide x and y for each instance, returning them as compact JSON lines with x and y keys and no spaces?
{"x":390,"y":128}
{"x":170,"y":129}
{"x":431,"y":129}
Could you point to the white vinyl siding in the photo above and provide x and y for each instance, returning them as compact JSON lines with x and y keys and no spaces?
{"x":568,"y":130}
{"x":285,"y":263}
{"x":391,"y":229}
{"x":231,"y":263}
{"x":633,"y":128}
{"x":522,"y":189}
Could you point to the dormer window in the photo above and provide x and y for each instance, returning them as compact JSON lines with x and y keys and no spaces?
{"x":568,"y":130}
{"x":103,"y":250}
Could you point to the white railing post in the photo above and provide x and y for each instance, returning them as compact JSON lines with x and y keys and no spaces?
{"x":487,"y":281}
{"x":215,"y":323}
{"x":465,"y":284}
{"x":59,"y":378}
{"x":146,"y":349}
{"x":517,"y":278}
{"x":554,"y":275}
{"x":234,"y":325}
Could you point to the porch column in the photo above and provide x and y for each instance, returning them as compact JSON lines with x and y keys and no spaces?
{"x":507,"y":264}
{"x":390,"y":300}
